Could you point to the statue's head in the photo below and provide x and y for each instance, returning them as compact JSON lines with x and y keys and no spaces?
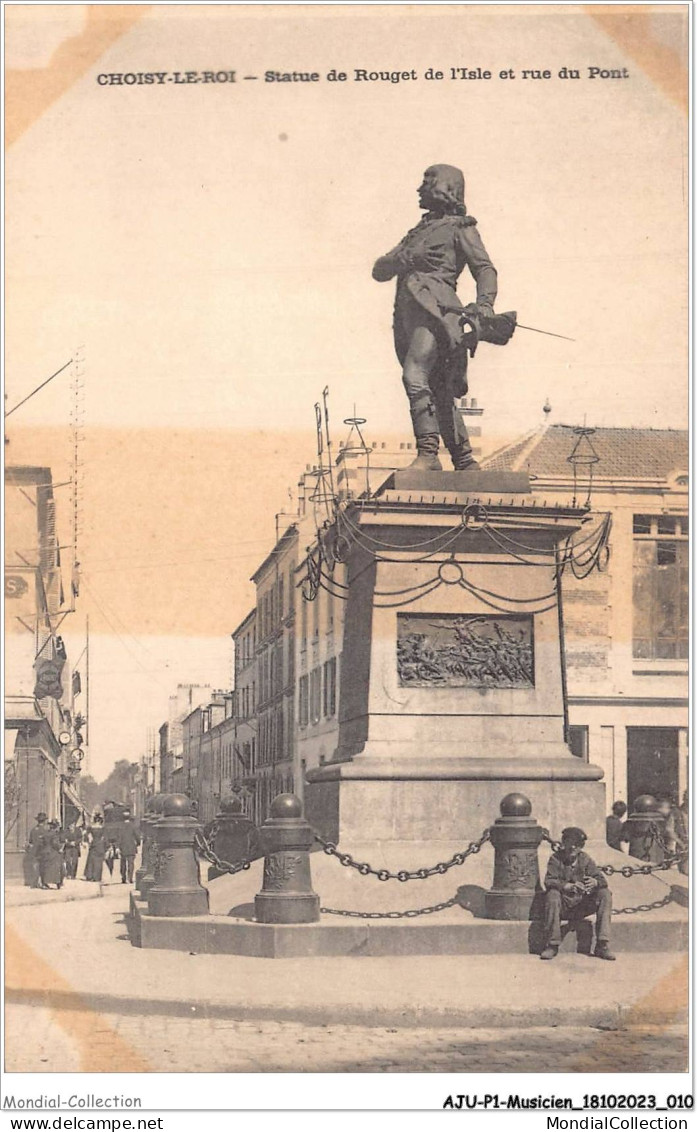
{"x":443,"y":190}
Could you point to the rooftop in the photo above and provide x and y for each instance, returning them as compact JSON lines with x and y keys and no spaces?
{"x":623,"y":453}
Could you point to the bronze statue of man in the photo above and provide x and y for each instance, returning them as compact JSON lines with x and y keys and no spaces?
{"x":428,"y":328}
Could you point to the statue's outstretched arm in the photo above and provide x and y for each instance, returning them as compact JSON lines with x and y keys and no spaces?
{"x":387,"y":266}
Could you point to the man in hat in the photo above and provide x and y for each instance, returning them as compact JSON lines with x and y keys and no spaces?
{"x":37,"y":836}
{"x":128,"y":841}
{"x":428,"y":328}
{"x":51,"y":862}
{"x":72,"y":840}
{"x":576,"y":888}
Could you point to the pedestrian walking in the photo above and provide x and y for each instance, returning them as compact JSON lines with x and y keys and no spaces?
{"x":112,"y":851}
{"x":128,"y":842}
{"x":677,"y":833}
{"x":37,"y":835}
{"x":51,"y":864}
{"x":666,"y":805}
{"x":575,"y":889}
{"x":614,"y":826}
{"x":72,"y":840}
{"x":96,"y":840}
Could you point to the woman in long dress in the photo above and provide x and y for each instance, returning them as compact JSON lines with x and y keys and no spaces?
{"x":50,"y":856}
{"x":97,"y":842}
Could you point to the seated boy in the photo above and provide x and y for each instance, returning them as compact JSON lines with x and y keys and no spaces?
{"x":576,"y":888}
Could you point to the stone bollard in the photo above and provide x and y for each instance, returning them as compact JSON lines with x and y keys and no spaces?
{"x":145,"y":877}
{"x":177,"y":890}
{"x":516,"y":837}
{"x":286,"y":896}
{"x":638,"y":828}
{"x":145,"y":832}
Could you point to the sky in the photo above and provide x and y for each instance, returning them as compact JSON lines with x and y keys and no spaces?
{"x":207,"y":248}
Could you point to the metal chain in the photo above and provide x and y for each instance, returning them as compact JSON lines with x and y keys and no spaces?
{"x":409,"y":914}
{"x":203,"y":845}
{"x":546,"y":836}
{"x":644,"y":870}
{"x":404,"y":874}
{"x":644,"y":907}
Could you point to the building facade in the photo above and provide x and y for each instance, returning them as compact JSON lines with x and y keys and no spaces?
{"x":626,"y":627}
{"x":171,"y":735}
{"x":43,"y":743}
{"x":208,"y":753}
{"x":275,"y":673}
{"x":246,"y":731}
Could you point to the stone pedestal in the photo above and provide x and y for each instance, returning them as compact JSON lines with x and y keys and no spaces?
{"x":452,"y":686}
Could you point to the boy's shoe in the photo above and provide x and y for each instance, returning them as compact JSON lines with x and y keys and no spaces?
{"x":550,"y":952}
{"x":602,"y":951}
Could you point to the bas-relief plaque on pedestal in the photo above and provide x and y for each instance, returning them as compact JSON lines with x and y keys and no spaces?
{"x":465,"y":650}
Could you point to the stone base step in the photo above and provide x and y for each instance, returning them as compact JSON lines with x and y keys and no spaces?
{"x":339,"y":936}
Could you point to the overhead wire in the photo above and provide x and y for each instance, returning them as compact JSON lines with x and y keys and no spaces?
{"x":38,"y":388}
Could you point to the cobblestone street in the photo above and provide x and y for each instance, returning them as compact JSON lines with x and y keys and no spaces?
{"x":177,"y":1044}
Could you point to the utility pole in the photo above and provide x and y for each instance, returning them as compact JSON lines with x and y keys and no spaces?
{"x":87,"y":691}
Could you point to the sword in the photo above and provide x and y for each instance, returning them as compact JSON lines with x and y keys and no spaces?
{"x":550,"y":333}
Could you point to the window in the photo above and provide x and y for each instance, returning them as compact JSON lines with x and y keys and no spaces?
{"x":290,"y":675}
{"x":660,"y":587}
{"x":303,"y":702}
{"x":315,"y":695}
{"x":329,"y":700}
{"x":303,"y":622}
{"x":280,"y":736}
{"x":330,"y":610}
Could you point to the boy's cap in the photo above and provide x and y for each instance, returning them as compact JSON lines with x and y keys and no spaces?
{"x":574,"y":836}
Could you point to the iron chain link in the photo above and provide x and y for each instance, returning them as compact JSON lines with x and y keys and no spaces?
{"x":409,"y":914}
{"x":667,"y":899}
{"x":403,"y":875}
{"x":546,"y":836}
{"x":204,"y":847}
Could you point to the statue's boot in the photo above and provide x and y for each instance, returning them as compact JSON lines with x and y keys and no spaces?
{"x":455,"y":435}
{"x":427,"y":459}
{"x":462,"y":458}
{"x":425,"y":421}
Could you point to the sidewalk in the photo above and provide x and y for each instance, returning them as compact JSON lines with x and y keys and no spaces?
{"x":18,"y":895}
{"x":95,"y":968}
